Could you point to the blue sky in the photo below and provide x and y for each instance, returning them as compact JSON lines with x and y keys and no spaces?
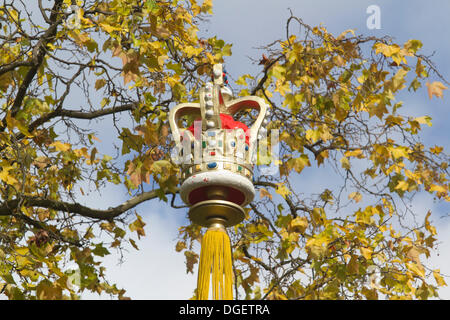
{"x":157,"y":271}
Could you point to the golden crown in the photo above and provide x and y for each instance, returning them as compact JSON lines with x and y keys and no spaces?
{"x":217,"y":149}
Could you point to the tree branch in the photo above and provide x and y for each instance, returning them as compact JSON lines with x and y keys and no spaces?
{"x":7,"y":207}
{"x":9,"y":67}
{"x":36,"y":59}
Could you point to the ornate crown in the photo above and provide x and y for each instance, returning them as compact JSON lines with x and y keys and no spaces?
{"x":217,"y":153}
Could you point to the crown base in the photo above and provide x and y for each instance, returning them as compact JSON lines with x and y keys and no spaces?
{"x":210,"y":212}
{"x":235,"y":187}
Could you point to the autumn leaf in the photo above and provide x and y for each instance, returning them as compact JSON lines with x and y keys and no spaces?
{"x":299,"y":224}
{"x":424,"y":120}
{"x":282,"y":190}
{"x":439,"y":279}
{"x":436,"y":149}
{"x":428,"y":225}
{"x":100,"y":83}
{"x":414,"y":255}
{"x":343,"y":34}
{"x":138,"y":226}
{"x":264,"y":193}
{"x":133,"y":243}
{"x":46,"y":290}
{"x":264,"y":61}
{"x":7,"y":177}
{"x":41,"y":162}
{"x":345,"y":163}
{"x":59,"y":146}
{"x":181,"y":245}
{"x":356,"y":196}
{"x":435,"y":89}
{"x":418,"y":270}
{"x":109,"y":28}
{"x":437,"y":188}
{"x":366,"y":252}
{"x":398,"y":152}
{"x":316,"y":248}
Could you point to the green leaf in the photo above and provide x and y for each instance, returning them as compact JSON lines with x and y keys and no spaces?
{"x":100,"y":250}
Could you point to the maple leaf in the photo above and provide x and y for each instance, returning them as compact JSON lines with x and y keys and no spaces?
{"x":435,"y":89}
{"x":439,"y":279}
{"x":59,"y":146}
{"x":264,"y":193}
{"x":299,"y":224}
{"x":414,"y":255}
{"x":282,"y":190}
{"x":264,"y":61}
{"x":355,"y":196}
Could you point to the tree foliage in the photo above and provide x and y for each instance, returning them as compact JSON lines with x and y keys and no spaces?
{"x":332,"y":97}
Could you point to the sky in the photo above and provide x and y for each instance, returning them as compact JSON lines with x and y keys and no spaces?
{"x":156,"y":271}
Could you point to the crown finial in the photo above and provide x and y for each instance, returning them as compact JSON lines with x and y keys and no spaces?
{"x":218,"y":74}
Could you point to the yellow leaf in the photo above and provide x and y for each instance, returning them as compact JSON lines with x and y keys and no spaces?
{"x":108,"y":28}
{"x":59,"y":146}
{"x":416,"y":269}
{"x":428,"y":226}
{"x":355,"y":153}
{"x":424,"y":120}
{"x":398,"y":152}
{"x":343,"y":34}
{"x":345,"y":163}
{"x":339,"y":61}
{"x":386,"y":50}
{"x":41,"y":162}
{"x":355,"y":196}
{"x":282,"y":190}
{"x":414,"y":255}
{"x":300,"y":163}
{"x":436,"y":149}
{"x":439,"y":279}
{"x":353,"y":265}
{"x":371,"y":294}
{"x":100,"y":83}
{"x":435,"y":89}
{"x":12,"y":123}
{"x":402,"y":185}
{"x":264,"y":193}
{"x":22,"y":251}
{"x":191,"y":51}
{"x":161,"y":59}
{"x":437,"y":188}
{"x":366,"y":252}
{"x":6,"y":177}
{"x":312,"y":135}
{"x":316,"y":248}
{"x":181,"y":245}
{"x":298,"y":224}
{"x":46,"y":290}
{"x":207,"y":6}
